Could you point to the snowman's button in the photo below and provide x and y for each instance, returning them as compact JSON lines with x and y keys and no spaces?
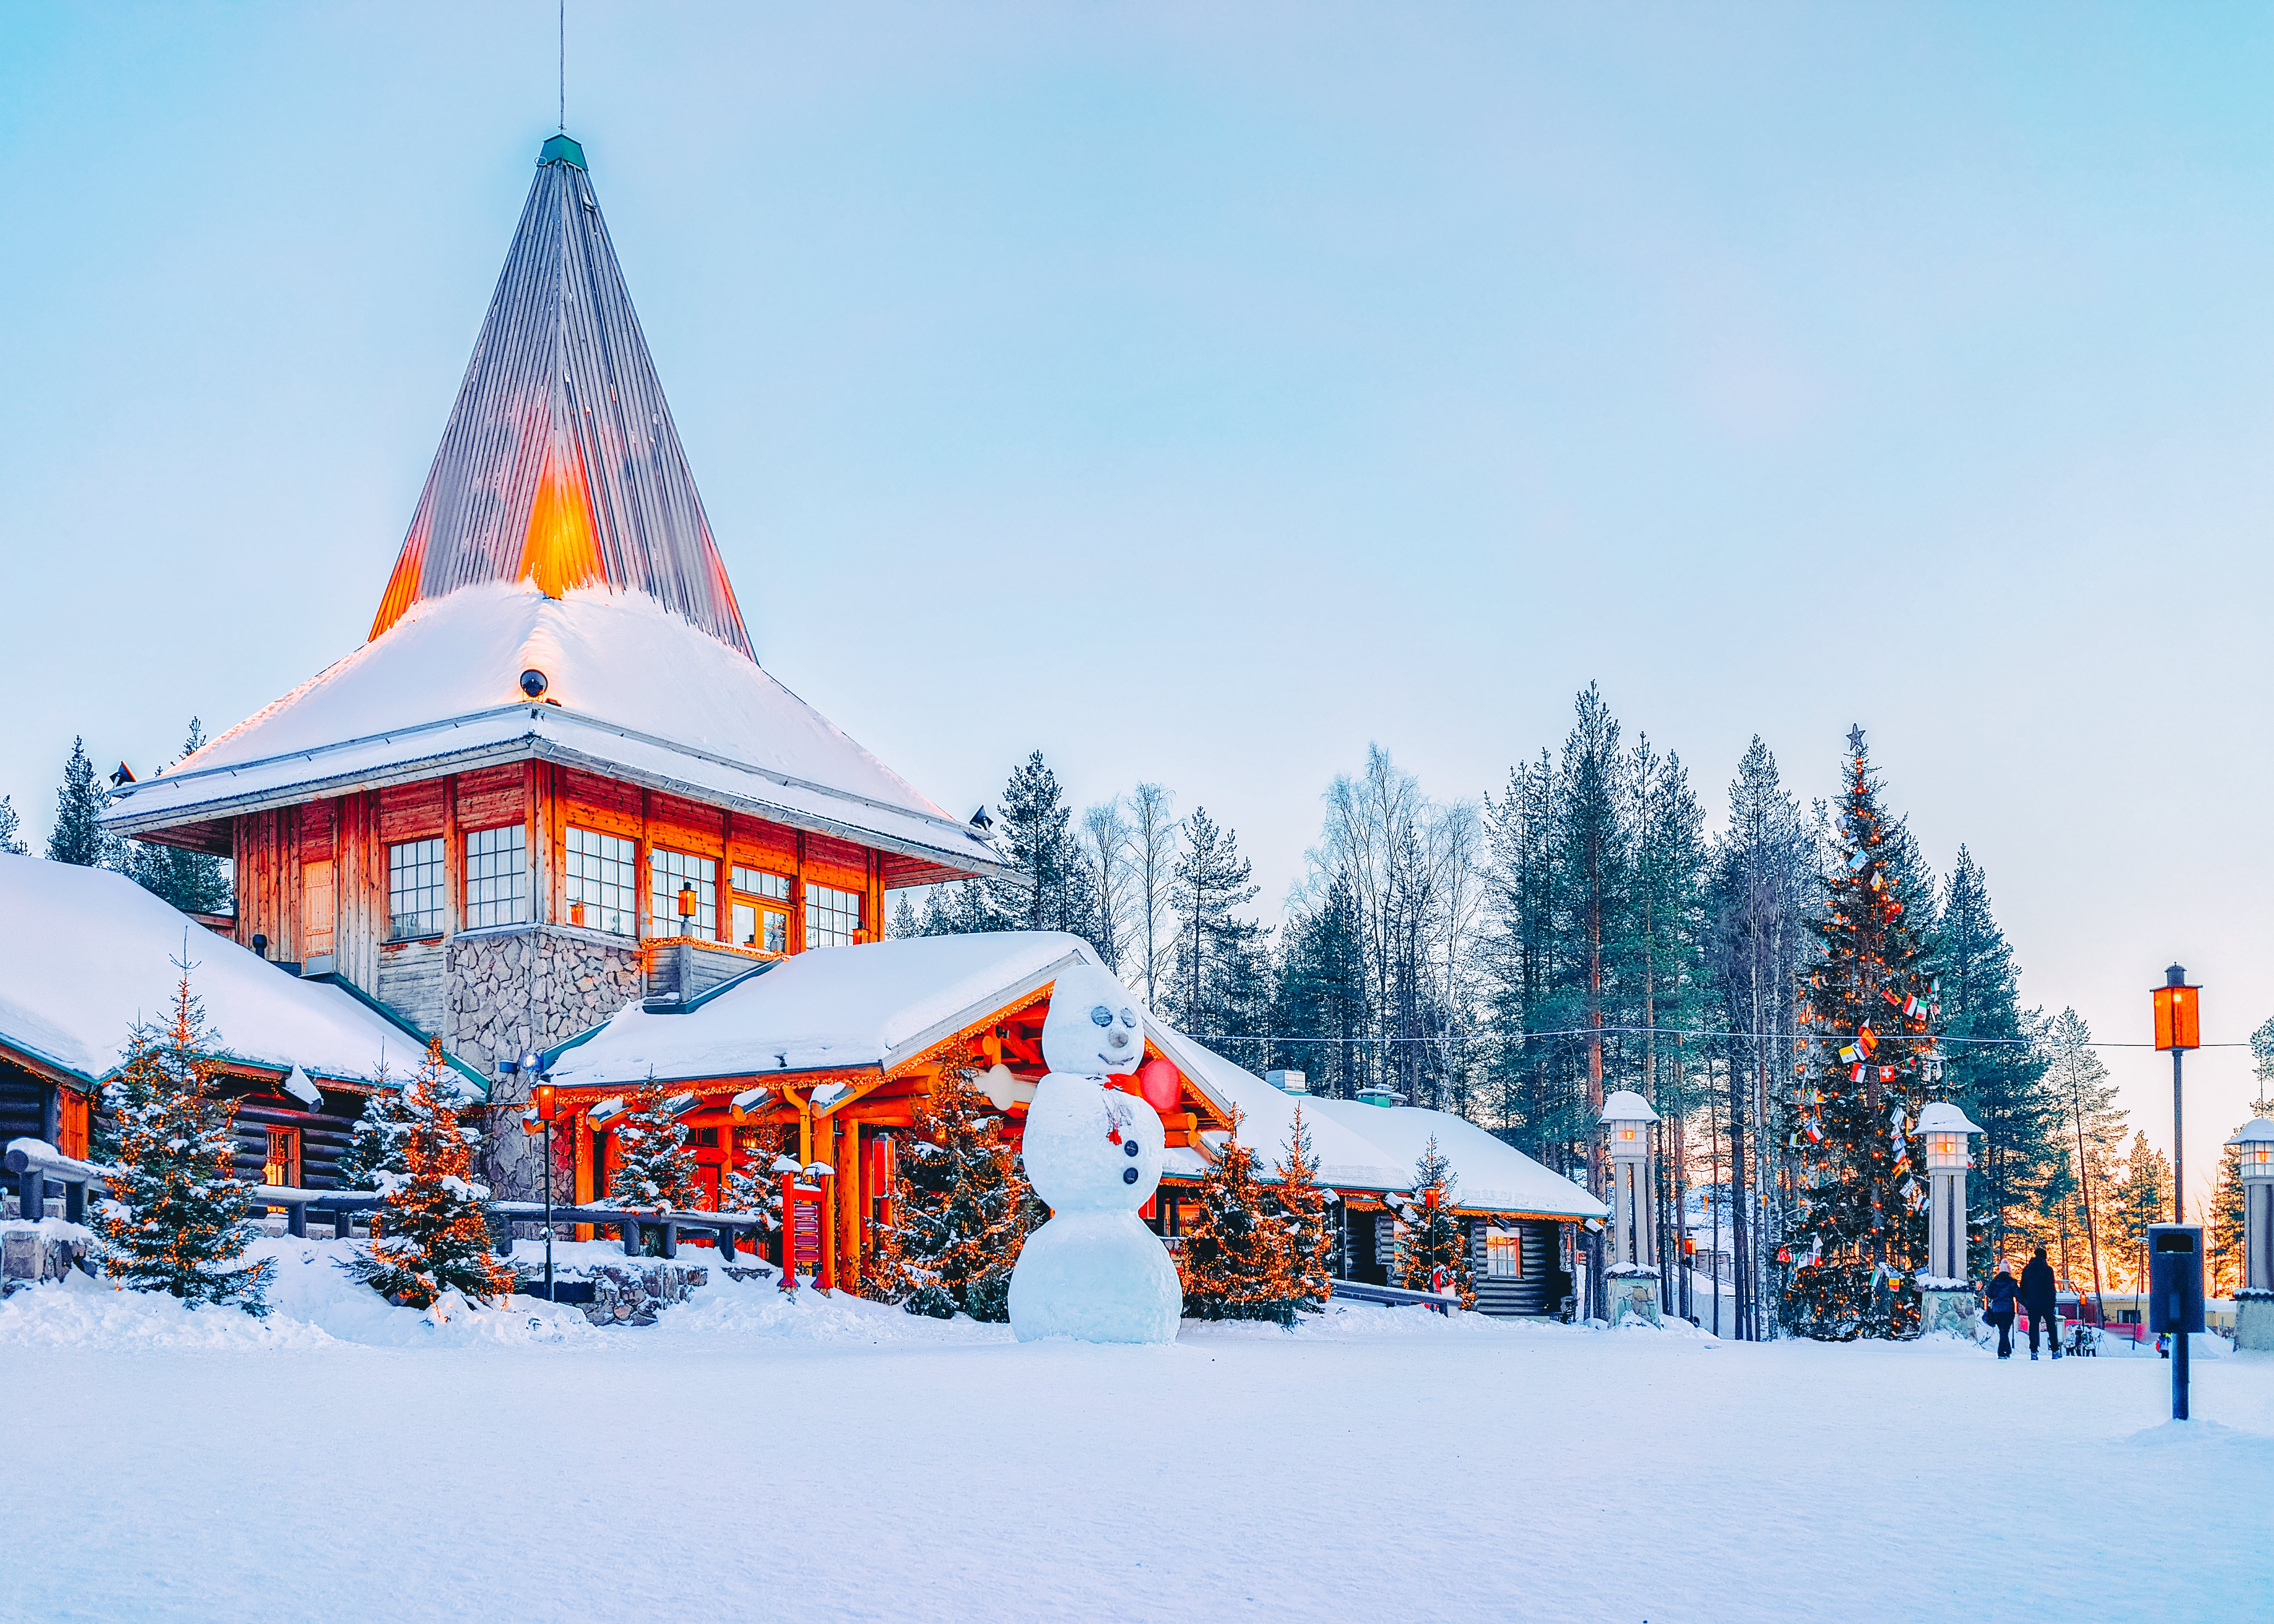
{"x":1129,"y":1175}
{"x":1129,"y":1148}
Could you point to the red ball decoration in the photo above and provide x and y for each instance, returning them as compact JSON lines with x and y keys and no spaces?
{"x":1161,"y":1084}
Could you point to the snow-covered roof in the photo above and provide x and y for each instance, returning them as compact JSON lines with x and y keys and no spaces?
{"x":1943,"y":1117}
{"x":1346,"y":1161}
{"x":88,"y":953}
{"x":643,"y":694}
{"x":1489,"y":1172}
{"x":1628,"y":1106}
{"x":873,"y":1005}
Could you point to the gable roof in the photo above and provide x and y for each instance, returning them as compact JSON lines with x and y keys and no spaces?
{"x":1490,"y":1173}
{"x":560,"y":463}
{"x":88,"y":953}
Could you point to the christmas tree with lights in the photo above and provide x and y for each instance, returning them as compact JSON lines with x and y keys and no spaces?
{"x":962,"y":1211}
{"x":178,"y":1219}
{"x":655,"y":1171}
{"x":1865,"y":1061}
{"x":1300,"y":1202}
{"x":1434,"y":1253}
{"x":436,"y":1236}
{"x":1238,"y":1264}
{"x":375,"y":1145}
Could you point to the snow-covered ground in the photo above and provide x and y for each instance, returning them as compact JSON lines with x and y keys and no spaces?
{"x":748,"y":1459}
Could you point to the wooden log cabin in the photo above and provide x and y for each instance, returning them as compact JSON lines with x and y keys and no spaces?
{"x":555,"y":777}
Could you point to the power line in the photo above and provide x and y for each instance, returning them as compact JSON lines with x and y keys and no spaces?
{"x":1676,"y":1032}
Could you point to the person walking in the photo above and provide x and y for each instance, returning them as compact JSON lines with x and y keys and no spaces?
{"x":2000,"y":1313}
{"x":2041,"y":1299}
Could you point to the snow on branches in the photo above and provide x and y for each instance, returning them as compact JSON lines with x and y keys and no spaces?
{"x":436,"y":1236}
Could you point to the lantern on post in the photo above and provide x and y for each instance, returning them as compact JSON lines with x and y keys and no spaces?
{"x":1633,"y":1271}
{"x":1945,"y":1292}
{"x":2178,"y":1027}
{"x":2254,"y":1303}
{"x":687,"y":903}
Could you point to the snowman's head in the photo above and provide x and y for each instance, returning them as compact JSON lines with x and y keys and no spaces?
{"x":1095,"y":1027}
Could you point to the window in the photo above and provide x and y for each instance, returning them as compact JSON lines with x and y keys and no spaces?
{"x":1503,"y":1256}
{"x":669,"y":873}
{"x":282,"y":1166}
{"x":758,"y":882}
{"x":831,"y":916}
{"x":497,"y":876}
{"x":414,"y":889}
{"x":599,"y":872}
{"x":761,"y":929}
{"x":70,"y":1126}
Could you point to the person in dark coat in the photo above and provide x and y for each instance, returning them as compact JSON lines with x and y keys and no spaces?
{"x":2040,"y":1298}
{"x":2000,"y":1312}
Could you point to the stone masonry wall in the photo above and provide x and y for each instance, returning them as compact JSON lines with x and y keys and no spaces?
{"x":508,"y":992}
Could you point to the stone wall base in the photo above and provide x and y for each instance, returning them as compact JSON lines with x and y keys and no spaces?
{"x":633,"y":1292}
{"x":1948,"y":1310}
{"x":31,"y":1253}
{"x":2254,"y":1321}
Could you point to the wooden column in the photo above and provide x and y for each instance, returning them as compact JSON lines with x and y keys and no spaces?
{"x":454,"y":860}
{"x":826,"y":1131}
{"x":797,"y":899}
{"x":537,"y":835}
{"x":848,"y":1199}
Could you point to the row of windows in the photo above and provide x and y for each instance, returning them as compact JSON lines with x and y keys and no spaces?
{"x":600,"y":878}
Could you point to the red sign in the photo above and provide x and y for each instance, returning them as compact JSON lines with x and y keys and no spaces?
{"x":803,"y":1255}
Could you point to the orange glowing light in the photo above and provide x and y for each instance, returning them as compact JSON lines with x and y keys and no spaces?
{"x":562,"y":548}
{"x":403,"y":585}
{"x":2179,"y":1018}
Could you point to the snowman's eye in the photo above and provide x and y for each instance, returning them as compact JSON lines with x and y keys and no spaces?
{"x":1129,"y":1018}
{"x":1103,"y":1016}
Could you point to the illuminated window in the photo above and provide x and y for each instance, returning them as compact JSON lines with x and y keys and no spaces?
{"x":1504,"y":1256}
{"x":414,"y":889}
{"x":831,"y":916}
{"x":282,"y":1166}
{"x":497,"y":876}
{"x":600,"y":876}
{"x":669,"y":873}
{"x":763,"y":929}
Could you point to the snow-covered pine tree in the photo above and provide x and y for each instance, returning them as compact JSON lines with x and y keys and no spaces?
{"x":654,"y":1169}
{"x":1436,"y":1237}
{"x":1238,"y":1265}
{"x":1301,"y":1204}
{"x":905,"y":923}
{"x":1216,"y":990}
{"x":11,"y":842}
{"x":375,"y":1145}
{"x":2142,"y":1197}
{"x":178,"y":1219}
{"x":1866,"y":1061}
{"x":436,"y":1236}
{"x":77,"y":837}
{"x":963,"y":1210}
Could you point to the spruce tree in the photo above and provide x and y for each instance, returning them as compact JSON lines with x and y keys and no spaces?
{"x":964,"y":1209}
{"x":179,"y":1216}
{"x":1299,"y":1203}
{"x":2092,"y":1125}
{"x":1237,"y":1263}
{"x":78,"y":838}
{"x":905,"y":924}
{"x":1436,"y":1237}
{"x":375,"y":1145}
{"x":436,"y":1234}
{"x":1866,"y":1063}
{"x":2142,"y":1197}
{"x":1214,"y":987}
{"x":1053,"y":886}
{"x":1998,"y":1078}
{"x":190,"y":881}
{"x":11,"y":843}
{"x":654,"y":1169}
{"x":1318,"y":1001}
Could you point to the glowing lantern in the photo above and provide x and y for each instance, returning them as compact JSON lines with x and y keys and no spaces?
{"x":686,"y":902}
{"x":2179,"y":1014}
{"x":548,"y":1103}
{"x":1161,"y":1084}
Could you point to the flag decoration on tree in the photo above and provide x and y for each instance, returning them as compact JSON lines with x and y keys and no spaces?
{"x":1865,"y":1055}
{"x":179,"y":1218}
{"x":1238,"y":1264}
{"x":962,"y":1210}
{"x":655,"y":1171}
{"x":435,"y":1232}
{"x":1433,"y":1243}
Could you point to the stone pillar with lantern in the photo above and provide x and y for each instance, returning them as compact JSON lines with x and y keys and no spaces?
{"x":1947,"y":1295}
{"x":2253,"y":1303}
{"x":1631,"y":1258}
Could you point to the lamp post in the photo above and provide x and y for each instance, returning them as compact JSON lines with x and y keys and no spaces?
{"x":548,"y":1106}
{"x":2178,"y":1027}
{"x":2253,"y":1305}
{"x":1945,"y":1288}
{"x":1633,"y":1268}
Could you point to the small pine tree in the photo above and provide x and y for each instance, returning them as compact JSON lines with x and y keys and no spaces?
{"x":963,"y":1210}
{"x":375,"y":1145}
{"x":654,"y":1169}
{"x":1238,"y":1265}
{"x":1301,"y":1204}
{"x":1436,"y":1235}
{"x":78,"y":837}
{"x":436,"y":1234}
{"x":178,"y":1219}
{"x":756,"y":1186}
{"x":11,"y":842}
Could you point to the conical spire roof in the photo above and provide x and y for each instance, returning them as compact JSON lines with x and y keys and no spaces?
{"x":560,"y":466}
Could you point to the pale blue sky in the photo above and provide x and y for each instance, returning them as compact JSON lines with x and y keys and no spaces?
{"x":1199,"y":393}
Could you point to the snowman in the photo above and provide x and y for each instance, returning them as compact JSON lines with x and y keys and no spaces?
{"x":1093,"y":1272}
